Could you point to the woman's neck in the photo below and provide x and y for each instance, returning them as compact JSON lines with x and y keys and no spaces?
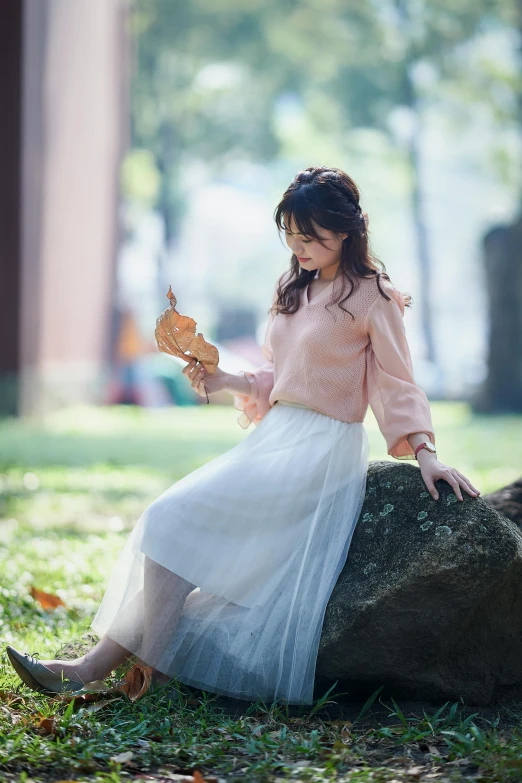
{"x":327,"y":276}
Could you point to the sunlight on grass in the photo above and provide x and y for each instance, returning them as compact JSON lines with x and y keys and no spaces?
{"x":487,"y":449}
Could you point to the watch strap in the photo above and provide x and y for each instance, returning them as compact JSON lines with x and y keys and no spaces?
{"x":422,"y":446}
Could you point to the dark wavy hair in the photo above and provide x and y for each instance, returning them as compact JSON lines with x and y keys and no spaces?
{"x":331,"y":198}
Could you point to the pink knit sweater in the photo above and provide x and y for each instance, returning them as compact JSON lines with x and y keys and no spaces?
{"x":336,"y":364}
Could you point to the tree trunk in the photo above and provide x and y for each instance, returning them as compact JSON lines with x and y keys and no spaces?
{"x":502,"y":390}
{"x":414,"y":151}
{"x":421,"y":234}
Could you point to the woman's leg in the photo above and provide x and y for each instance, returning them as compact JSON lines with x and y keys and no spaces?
{"x":96,"y":664}
{"x":164,"y":594}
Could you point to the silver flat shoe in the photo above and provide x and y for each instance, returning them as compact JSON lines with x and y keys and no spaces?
{"x":37,"y":676}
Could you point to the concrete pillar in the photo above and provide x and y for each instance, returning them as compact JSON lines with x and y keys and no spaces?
{"x":73,"y":129}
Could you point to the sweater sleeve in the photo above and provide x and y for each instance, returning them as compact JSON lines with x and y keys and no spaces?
{"x":399,"y":405}
{"x":256,"y":404}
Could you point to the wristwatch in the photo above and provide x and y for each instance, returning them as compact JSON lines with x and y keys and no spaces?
{"x":426,"y":445}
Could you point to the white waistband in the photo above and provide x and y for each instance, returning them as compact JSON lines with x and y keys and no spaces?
{"x":295,"y":404}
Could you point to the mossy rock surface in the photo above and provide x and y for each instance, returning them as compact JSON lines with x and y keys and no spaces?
{"x":429,"y":602}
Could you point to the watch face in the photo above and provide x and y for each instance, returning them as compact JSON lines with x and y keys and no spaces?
{"x":430,"y":446}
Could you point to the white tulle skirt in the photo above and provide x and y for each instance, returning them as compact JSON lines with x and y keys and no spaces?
{"x":224,"y":581}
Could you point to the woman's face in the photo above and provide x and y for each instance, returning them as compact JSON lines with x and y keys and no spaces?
{"x":310,"y":253}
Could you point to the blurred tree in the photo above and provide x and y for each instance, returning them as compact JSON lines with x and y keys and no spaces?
{"x":502,"y":388}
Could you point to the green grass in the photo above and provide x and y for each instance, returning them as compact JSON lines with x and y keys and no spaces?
{"x":71,"y":486}
{"x":171,"y":442}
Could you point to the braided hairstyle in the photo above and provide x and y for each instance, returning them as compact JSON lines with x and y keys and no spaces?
{"x":330,"y":198}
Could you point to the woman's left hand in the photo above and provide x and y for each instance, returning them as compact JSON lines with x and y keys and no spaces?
{"x":432,"y":470}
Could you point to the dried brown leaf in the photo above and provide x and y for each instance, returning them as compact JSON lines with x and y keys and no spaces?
{"x":47,"y":725}
{"x":176,"y":335}
{"x":137,"y":682}
{"x":47,"y":601}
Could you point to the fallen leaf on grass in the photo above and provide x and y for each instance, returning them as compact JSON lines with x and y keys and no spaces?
{"x":97,"y":686}
{"x":338,"y":722}
{"x":399,"y":759}
{"x":136,"y":682}
{"x":134,"y":685}
{"x":93,"y":696}
{"x":432,"y":750}
{"x":11,"y":698}
{"x":84,"y":698}
{"x":123,"y":758}
{"x":512,"y":763}
{"x":97,"y":705}
{"x":48,"y":725}
{"x":47,"y":601}
{"x":338,"y":745}
{"x":12,"y":716}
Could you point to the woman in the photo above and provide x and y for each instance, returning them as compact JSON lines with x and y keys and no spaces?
{"x":224,"y":581}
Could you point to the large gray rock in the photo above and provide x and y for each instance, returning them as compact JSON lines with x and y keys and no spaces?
{"x":508,"y":501}
{"x":429,"y":602}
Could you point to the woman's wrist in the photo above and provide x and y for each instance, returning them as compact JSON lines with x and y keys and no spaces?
{"x":237,"y":384}
{"x":426,"y":456}
{"x":415,"y":439}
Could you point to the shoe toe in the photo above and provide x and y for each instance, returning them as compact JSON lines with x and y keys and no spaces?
{"x":19,"y":662}
{"x":37,"y":676}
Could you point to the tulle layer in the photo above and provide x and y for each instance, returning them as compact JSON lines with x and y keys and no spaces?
{"x":224,"y":581}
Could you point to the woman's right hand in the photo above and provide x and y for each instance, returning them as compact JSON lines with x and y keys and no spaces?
{"x":199,"y":377}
